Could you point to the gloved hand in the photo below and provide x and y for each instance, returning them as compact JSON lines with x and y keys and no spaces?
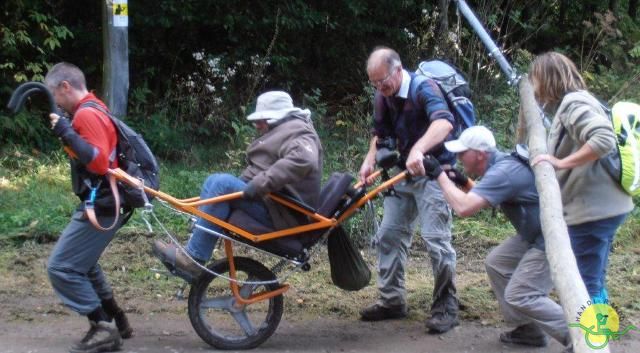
{"x":457,"y":177}
{"x":59,"y":125}
{"x":250,"y":193}
{"x":432,"y":167}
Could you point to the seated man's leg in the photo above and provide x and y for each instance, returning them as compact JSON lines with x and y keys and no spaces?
{"x":201,"y":244}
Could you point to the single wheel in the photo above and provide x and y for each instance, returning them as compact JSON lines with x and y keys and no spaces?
{"x":215,"y":316}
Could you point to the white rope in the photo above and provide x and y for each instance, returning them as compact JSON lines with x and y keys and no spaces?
{"x":149,"y":211}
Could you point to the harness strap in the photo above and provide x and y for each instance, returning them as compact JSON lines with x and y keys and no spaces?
{"x":89,"y":207}
{"x":91,"y":212}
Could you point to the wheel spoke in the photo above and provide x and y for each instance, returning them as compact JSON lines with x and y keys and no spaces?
{"x":223,"y":302}
{"x":247,"y":289}
{"x":243,"y":320}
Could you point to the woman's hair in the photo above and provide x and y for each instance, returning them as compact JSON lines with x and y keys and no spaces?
{"x":556,"y":75}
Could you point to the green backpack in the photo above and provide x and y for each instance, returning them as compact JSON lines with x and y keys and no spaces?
{"x":625,"y":117}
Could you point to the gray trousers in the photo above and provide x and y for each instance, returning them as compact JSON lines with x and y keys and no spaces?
{"x":73,"y":267}
{"x":420,"y":200}
{"x":521,"y":281}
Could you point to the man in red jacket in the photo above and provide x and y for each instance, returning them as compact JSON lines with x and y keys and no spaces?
{"x":90,"y":140}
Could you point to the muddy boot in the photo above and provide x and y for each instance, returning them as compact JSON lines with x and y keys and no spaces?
{"x":378,"y":312}
{"x":112,"y":309}
{"x":444,"y":310}
{"x":103,"y":335}
{"x":526,"y":335}
{"x":441,"y":322}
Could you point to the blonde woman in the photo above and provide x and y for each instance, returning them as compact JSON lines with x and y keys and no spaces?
{"x":580,"y":139}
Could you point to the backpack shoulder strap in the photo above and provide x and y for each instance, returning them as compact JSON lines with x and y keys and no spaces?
{"x":98,"y":107}
{"x":89,"y":208}
{"x":416,"y":80}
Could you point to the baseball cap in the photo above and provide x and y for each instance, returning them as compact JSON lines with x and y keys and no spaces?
{"x":475,"y":138}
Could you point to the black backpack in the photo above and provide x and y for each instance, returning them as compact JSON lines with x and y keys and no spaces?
{"x":135,"y":158}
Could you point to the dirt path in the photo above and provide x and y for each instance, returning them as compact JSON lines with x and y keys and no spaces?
{"x":172,"y":333}
{"x":33,"y":320}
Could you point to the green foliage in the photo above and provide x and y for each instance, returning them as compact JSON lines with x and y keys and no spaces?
{"x":29,"y":35}
{"x":35,"y":196}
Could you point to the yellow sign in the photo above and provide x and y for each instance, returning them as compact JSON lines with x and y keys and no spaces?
{"x":120,"y":9}
{"x":600,"y":322}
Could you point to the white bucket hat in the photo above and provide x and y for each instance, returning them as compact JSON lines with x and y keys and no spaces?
{"x":275,"y":105}
{"x":474,"y":138}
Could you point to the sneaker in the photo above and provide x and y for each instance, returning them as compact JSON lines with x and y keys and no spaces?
{"x":176,"y":261}
{"x":377,"y":312}
{"x":122,"y":323}
{"x":526,"y":335}
{"x":441,"y":322}
{"x":101,"y":337}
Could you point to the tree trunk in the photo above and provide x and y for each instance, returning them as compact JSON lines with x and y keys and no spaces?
{"x":562,"y":13}
{"x":564,"y":269}
{"x":441,"y":38}
{"x":115,"y":42}
{"x":633,"y":9}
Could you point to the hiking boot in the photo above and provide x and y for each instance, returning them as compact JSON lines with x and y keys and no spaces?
{"x":526,"y":335}
{"x":441,"y":322}
{"x":101,"y":337}
{"x":377,"y":312}
{"x":176,"y":261}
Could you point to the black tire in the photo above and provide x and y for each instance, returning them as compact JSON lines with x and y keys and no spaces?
{"x":224,"y":327}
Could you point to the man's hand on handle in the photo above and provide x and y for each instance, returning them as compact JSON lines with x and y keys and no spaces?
{"x":431,"y":167}
{"x":457,"y":177}
{"x":59,"y":124}
{"x":415,"y":165}
{"x":367,"y":168}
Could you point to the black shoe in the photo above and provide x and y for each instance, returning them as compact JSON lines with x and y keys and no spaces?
{"x":441,"y":322}
{"x":377,"y":312}
{"x":526,"y":335}
{"x":101,"y":337}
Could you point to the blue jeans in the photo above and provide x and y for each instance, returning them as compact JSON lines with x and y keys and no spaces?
{"x":591,"y":243}
{"x":201,"y":244}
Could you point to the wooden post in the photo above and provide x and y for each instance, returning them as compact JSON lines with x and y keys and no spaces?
{"x":564,"y":270}
{"x":521,"y":132}
{"x":115,"y":43}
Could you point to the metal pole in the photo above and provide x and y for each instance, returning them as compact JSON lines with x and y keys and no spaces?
{"x":115,"y":71}
{"x":494,"y":51}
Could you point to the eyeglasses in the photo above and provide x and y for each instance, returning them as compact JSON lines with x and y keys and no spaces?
{"x":381,"y":82}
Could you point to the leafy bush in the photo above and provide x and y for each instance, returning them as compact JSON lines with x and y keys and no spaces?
{"x":29,"y":35}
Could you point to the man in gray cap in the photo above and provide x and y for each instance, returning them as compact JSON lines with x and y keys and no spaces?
{"x":287,"y":156}
{"x":518,"y":269}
